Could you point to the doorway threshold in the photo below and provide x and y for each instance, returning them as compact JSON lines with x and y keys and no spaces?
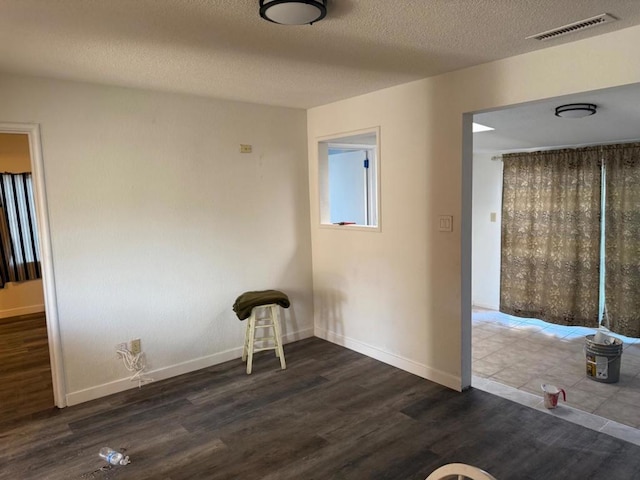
{"x":565,"y":412}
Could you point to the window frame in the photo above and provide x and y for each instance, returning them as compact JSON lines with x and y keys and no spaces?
{"x":322,"y":164}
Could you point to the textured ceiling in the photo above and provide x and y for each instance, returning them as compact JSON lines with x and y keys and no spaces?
{"x":534,"y":126}
{"x":222,"y":48}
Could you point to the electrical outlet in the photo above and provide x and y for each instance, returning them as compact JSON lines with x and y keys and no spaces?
{"x":121,"y":346}
{"x":245,"y":148}
{"x":136,"y":348}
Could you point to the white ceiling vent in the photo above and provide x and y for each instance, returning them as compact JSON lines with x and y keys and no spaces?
{"x":574,"y":27}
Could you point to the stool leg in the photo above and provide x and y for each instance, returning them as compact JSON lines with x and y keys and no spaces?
{"x":245,"y":345}
{"x":278,"y":336}
{"x":252,"y":332}
{"x":273,"y":312}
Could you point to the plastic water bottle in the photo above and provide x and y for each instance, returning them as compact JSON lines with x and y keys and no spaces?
{"x":111,"y":456}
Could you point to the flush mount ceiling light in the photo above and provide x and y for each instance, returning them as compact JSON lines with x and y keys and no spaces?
{"x":293,"y":12}
{"x":576,"y":110}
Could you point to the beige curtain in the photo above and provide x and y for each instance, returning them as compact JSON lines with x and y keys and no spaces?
{"x":622,"y":238}
{"x":551,"y":236}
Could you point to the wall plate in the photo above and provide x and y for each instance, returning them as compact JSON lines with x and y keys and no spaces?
{"x":445,"y":223}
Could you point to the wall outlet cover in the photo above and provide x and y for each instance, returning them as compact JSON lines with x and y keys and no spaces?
{"x":136,"y":348}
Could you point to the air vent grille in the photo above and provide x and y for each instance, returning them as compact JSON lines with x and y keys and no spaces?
{"x":574,"y":27}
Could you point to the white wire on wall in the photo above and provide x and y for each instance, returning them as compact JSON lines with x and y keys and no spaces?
{"x":136,"y":364}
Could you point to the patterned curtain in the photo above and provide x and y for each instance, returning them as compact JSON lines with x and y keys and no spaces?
{"x":19,"y":247}
{"x":551,"y":236}
{"x":622,"y":238}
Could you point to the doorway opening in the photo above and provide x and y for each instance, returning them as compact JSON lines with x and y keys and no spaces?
{"x":28,"y":307}
{"x":514,"y":351}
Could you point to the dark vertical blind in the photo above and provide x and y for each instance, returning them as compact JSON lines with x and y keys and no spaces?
{"x":19,"y":245}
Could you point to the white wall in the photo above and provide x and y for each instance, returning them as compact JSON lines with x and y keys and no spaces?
{"x":14,"y":153}
{"x":347,"y":187}
{"x":487,"y":199}
{"x":158,"y":222}
{"x":21,"y":298}
{"x":397,"y":295}
{"x":18,"y":298}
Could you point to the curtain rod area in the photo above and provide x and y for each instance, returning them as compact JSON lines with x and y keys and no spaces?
{"x":554,"y":150}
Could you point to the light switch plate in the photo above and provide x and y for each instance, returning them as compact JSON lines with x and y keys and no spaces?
{"x":445,"y":223}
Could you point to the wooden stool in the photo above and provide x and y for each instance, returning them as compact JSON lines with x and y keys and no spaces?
{"x":271,"y":320}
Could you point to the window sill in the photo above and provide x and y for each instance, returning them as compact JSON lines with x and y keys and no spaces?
{"x":362,"y":228}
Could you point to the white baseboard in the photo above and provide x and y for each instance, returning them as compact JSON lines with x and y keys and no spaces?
{"x":299,"y":335}
{"x":163,"y":373}
{"x":15,"y":312}
{"x":486,"y":306}
{"x":411,"y":366}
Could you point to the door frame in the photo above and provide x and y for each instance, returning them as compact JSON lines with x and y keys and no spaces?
{"x":32,"y":130}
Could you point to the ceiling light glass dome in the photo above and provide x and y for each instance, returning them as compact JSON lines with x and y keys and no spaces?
{"x":293,"y":12}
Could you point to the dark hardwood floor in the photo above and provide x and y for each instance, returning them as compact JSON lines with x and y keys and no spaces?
{"x":333,"y":414}
{"x":25,"y":371}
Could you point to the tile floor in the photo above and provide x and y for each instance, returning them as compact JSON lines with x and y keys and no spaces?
{"x":515,"y":353}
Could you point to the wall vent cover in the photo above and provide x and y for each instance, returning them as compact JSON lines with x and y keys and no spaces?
{"x":574,"y":27}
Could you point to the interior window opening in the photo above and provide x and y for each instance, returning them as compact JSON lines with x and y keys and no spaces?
{"x":348,"y":167}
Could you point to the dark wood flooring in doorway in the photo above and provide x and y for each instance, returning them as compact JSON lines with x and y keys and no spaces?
{"x":25,"y":369}
{"x":333,"y":414}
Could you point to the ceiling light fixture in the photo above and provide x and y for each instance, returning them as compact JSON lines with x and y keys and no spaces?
{"x":576,"y":110}
{"x":293,"y":12}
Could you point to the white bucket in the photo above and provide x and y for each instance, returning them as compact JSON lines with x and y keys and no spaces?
{"x":552,"y":394}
